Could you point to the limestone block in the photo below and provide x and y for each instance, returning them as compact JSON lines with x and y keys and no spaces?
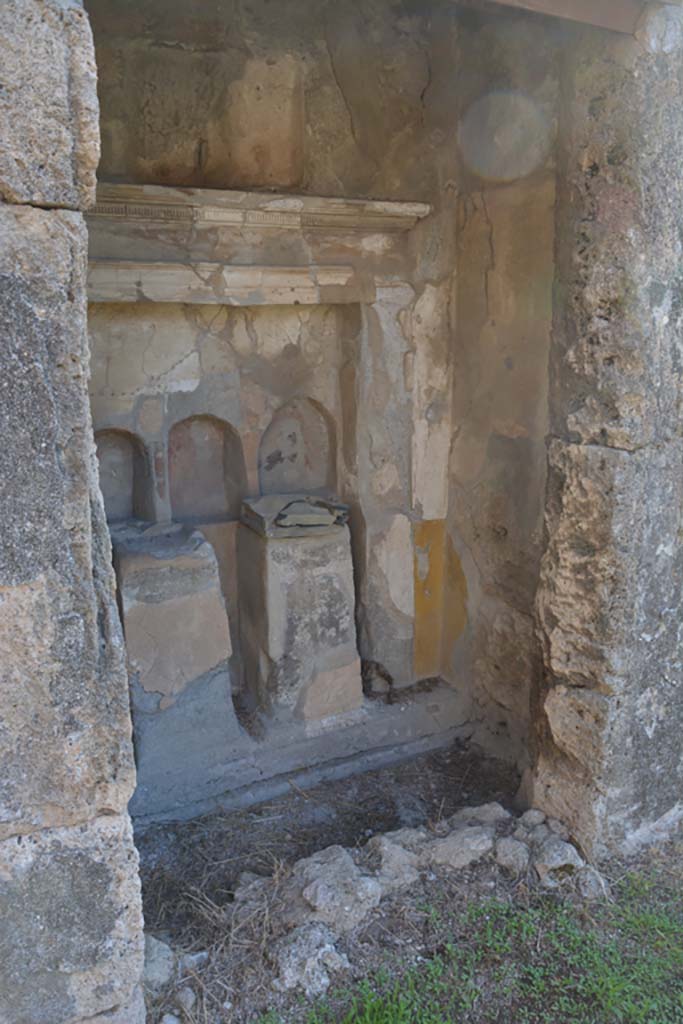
{"x":173,"y":611}
{"x":616,"y":370}
{"x":71,"y":924}
{"x":178,"y":640}
{"x":608,"y":605}
{"x":49,"y":127}
{"x":65,"y":751}
{"x":462,"y":847}
{"x":297,"y":622}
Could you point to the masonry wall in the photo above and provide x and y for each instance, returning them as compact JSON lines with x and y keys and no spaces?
{"x":609,"y":749}
{"x":339,"y":99}
{"x":69,"y":894}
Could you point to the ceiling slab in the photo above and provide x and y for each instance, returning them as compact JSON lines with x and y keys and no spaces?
{"x":618,"y":15}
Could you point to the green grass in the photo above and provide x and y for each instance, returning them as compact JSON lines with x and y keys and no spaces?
{"x":546,"y":962}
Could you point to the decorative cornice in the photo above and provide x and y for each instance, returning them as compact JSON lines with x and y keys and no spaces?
{"x":220,"y":284}
{"x":153,"y":203}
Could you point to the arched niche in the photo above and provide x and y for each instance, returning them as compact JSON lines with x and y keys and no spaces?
{"x":207,"y":475}
{"x":124,"y":476}
{"x":297,"y":451}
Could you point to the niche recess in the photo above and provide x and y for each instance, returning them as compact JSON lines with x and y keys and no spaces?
{"x":124,"y":476}
{"x":207,"y":477}
{"x":296,"y":451}
{"x":248,"y":341}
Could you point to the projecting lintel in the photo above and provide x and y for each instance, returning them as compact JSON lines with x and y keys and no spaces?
{"x":617,"y":15}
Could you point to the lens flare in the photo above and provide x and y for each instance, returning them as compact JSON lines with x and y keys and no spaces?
{"x":504,"y":136}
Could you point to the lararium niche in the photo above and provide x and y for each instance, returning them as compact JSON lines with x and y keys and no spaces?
{"x":125,"y":479}
{"x":265,"y":362}
{"x":207,"y":477}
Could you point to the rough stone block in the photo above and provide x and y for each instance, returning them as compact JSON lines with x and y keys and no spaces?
{"x":178,"y":641}
{"x":173,"y":611}
{"x":609,"y":599}
{"x":616,"y":376}
{"x":65,"y":751}
{"x":49,"y":125}
{"x":71,"y":943}
{"x":297,"y":622}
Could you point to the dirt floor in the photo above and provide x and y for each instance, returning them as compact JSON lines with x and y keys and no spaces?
{"x":208,"y":855}
{"x":467,"y":946}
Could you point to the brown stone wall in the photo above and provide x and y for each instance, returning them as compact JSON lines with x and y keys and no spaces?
{"x":610,"y":595}
{"x":69,"y":893}
{"x":327,"y":98}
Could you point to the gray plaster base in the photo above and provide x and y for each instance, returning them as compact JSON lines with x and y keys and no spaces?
{"x":254,"y":770}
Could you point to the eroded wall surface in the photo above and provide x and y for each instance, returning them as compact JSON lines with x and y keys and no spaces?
{"x":71,"y":925}
{"x":507,"y":112}
{"x":610,"y":595}
{"x":320,"y":97}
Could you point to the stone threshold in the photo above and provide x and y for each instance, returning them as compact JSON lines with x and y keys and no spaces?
{"x":306,"y":753}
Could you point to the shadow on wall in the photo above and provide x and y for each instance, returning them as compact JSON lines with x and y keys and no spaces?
{"x":125,"y":477}
{"x":207,"y":473}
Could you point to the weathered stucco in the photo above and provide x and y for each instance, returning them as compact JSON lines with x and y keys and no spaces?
{"x":504,"y":310}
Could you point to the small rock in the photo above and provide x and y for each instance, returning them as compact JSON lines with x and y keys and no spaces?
{"x":532,"y":818}
{"x":556,"y":861}
{"x":193,"y":961}
{"x":460,"y":848}
{"x":486,"y":814}
{"x":522,"y":834}
{"x":512,"y":855}
{"x":186,"y":999}
{"x":558,"y":829}
{"x":334,"y":890}
{"x":159,"y":964}
{"x":170,"y":1018}
{"x":591,"y":884}
{"x":539,"y":834}
{"x":411,"y":810}
{"x":304,"y":957}
{"x":398,"y":867}
{"x":247,"y":885}
{"x":412,"y":839}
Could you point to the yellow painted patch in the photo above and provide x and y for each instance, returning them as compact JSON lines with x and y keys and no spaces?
{"x":429,"y":546}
